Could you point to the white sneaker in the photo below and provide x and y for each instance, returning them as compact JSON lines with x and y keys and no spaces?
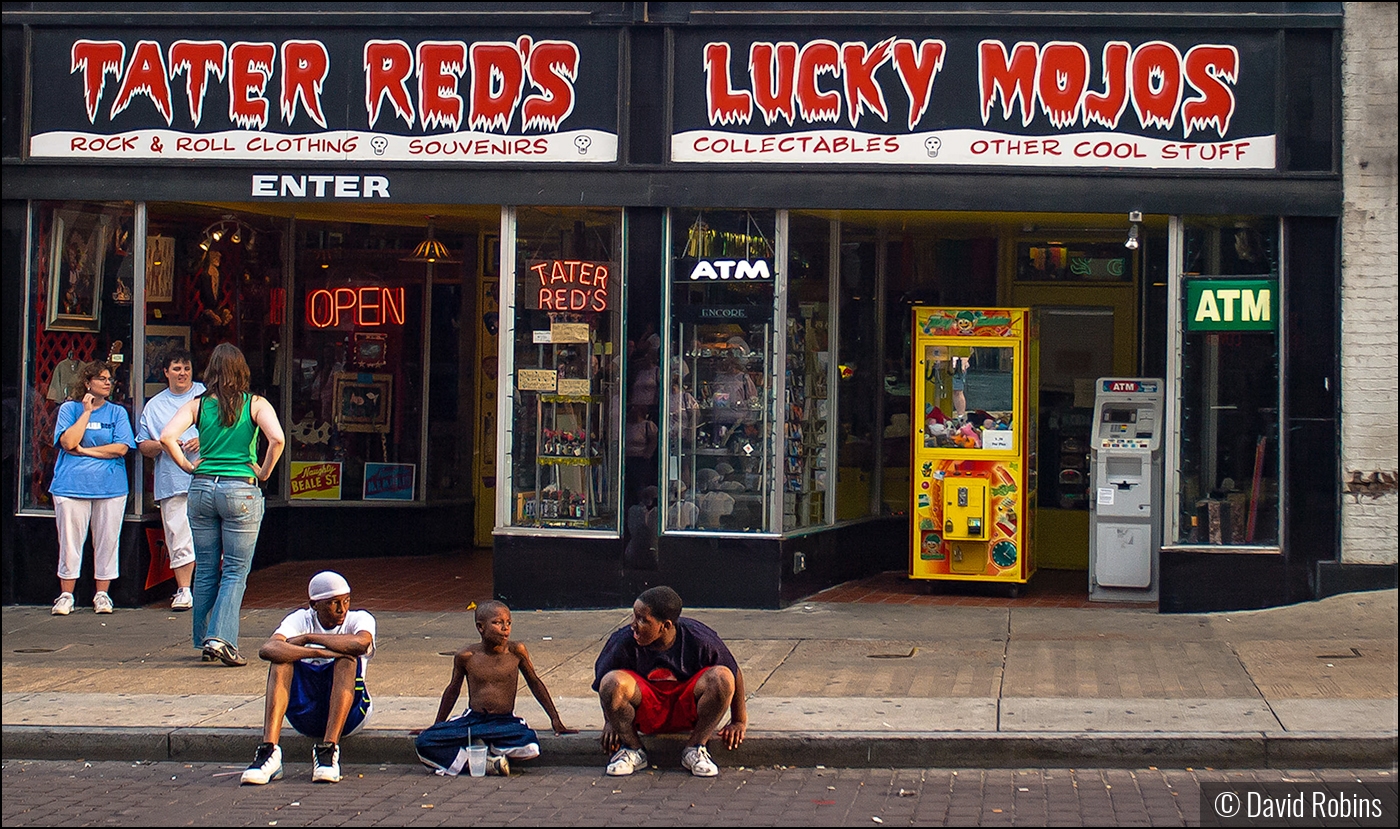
{"x":266,"y":766}
{"x":102,"y":603}
{"x":697,"y":759}
{"x":325,"y":763}
{"x":184,"y":599}
{"x":626,"y":761}
{"x":63,"y":605}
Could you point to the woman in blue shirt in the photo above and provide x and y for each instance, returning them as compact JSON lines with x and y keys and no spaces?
{"x":90,"y":483}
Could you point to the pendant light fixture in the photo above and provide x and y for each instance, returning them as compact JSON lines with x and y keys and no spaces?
{"x":430,"y":250}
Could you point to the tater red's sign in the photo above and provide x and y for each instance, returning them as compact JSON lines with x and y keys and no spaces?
{"x":567,"y":285}
{"x":937,"y":98}
{"x":440,"y":96}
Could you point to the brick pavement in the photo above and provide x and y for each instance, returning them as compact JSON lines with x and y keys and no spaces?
{"x":78,"y":793}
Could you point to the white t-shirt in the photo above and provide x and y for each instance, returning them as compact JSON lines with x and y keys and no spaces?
{"x":169,"y":478}
{"x":303,"y":620}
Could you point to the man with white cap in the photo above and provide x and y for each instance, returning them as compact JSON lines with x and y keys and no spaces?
{"x":316,"y":679}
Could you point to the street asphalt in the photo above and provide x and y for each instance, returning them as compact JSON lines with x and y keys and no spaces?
{"x":1311,"y":685}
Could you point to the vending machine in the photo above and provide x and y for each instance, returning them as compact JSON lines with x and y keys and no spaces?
{"x":973,"y":475}
{"x":1125,"y":517}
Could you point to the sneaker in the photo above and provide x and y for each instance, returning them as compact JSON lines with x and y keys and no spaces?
{"x":184,"y":599}
{"x":63,"y":605}
{"x":266,"y":765}
{"x":223,"y":652}
{"x":325,"y":763}
{"x":697,"y":759}
{"x":498,"y":765}
{"x":102,"y":603}
{"x":626,"y":761}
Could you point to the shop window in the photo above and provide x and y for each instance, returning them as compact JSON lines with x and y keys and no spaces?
{"x":213,"y":277}
{"x":81,"y":273}
{"x":1072,"y":262}
{"x":355,"y":426}
{"x":721,"y":450}
{"x":566,"y":360}
{"x":807,"y":380}
{"x":859,"y":378}
{"x":1227,"y":492}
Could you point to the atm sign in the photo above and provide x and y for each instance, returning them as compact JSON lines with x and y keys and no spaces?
{"x":1231,"y":305}
{"x":1129,"y":387}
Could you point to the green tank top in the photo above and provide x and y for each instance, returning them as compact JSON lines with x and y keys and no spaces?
{"x":226,"y":450}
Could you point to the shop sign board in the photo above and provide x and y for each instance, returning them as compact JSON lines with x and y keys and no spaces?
{"x":438,"y":95}
{"x":1231,"y":305}
{"x":316,"y":480}
{"x":936,"y":98}
{"x":389,"y":481}
{"x":573,"y":285}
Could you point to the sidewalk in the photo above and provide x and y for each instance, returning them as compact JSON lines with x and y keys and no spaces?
{"x":841,"y":685}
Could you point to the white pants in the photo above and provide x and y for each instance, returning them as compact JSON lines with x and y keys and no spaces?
{"x":175,"y":517}
{"x":74,"y":516}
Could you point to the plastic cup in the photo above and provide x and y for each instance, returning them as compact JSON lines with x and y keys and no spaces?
{"x":476,"y":760}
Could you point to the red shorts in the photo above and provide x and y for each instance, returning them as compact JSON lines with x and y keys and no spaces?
{"x":668,"y":705}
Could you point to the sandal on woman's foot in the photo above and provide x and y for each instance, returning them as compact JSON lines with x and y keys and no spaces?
{"x":225,"y":653}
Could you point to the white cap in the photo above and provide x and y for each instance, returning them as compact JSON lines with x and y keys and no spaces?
{"x":326,"y":584}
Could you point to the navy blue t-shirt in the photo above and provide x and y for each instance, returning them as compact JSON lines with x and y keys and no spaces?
{"x":696,"y":647}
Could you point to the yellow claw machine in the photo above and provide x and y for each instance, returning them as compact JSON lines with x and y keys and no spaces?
{"x":973,"y":476}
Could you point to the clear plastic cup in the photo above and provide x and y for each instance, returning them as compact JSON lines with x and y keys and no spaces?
{"x":476,"y":760}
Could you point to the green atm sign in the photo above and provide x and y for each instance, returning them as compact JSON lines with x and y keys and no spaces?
{"x":1232,"y":305}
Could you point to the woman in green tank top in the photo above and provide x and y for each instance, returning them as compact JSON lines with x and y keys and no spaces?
{"x":225,"y":502}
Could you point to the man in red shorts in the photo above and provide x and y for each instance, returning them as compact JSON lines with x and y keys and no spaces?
{"x":664,"y":675}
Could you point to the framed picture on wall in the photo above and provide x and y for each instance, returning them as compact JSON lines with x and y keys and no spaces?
{"x":159,"y":340}
{"x":76,"y":263}
{"x":160,"y":269}
{"x":362,"y":401}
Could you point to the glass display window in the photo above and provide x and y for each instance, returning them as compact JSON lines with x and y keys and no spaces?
{"x":355,"y":424}
{"x":859,"y":376}
{"x":720,"y":442}
{"x":970,"y":394}
{"x":1227,"y":457}
{"x":807,"y":471}
{"x":560,"y":391}
{"x":214,"y":276}
{"x":82,"y":271}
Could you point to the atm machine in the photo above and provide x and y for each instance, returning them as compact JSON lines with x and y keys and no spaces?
{"x":1125,"y":517}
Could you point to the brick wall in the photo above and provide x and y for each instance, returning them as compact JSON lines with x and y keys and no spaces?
{"x":1370,"y":374}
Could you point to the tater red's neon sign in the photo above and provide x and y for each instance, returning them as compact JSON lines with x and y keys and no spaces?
{"x":369,"y":306}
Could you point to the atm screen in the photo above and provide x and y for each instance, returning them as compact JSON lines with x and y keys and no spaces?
{"x":1120,"y":415}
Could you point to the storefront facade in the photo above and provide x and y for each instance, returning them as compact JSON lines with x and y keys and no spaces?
{"x":624,"y":291}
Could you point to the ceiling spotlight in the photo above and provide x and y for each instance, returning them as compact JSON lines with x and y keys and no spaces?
{"x":1132,"y":242}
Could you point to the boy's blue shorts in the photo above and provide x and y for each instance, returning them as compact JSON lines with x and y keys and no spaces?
{"x":443,"y":746}
{"x":309,"y":705}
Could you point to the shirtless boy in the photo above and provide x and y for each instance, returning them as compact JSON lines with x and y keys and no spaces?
{"x":489,"y":667}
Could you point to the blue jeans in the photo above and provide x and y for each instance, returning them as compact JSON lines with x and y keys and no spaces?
{"x":225,"y":517}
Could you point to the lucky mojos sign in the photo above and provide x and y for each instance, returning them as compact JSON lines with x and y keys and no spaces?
{"x":1231,"y":305}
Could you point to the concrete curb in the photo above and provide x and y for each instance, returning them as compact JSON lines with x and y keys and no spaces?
{"x":844,"y":750}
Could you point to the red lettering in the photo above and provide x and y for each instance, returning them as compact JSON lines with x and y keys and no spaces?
{"x":97,"y":59}
{"x":600,"y":300}
{"x":250,"y":68}
{"x":1010,"y":77}
{"x":1208,"y":68}
{"x":344,"y":301}
{"x":1061,"y":79}
{"x":578,"y":300}
{"x":917,"y":73}
{"x":773,"y":69}
{"x":388,"y":63}
{"x":197,"y":59}
{"x":498,"y":78}
{"x":1156,"y":84}
{"x":319,"y":308}
{"x":368,"y":305}
{"x":440,"y":65}
{"x":539,"y":269}
{"x":546,"y":295}
{"x":817,"y":57}
{"x":1107,"y":107}
{"x":724,"y":105}
{"x":305,"y":64}
{"x":145,"y":75}
{"x":858,"y":71}
{"x":553,"y":69}
{"x":393,"y":305}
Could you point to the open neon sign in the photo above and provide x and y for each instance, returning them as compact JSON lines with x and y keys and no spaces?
{"x":367,"y":307}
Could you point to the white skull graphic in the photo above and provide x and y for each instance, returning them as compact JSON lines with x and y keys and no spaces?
{"x":932,"y":145}
{"x":379,"y":144}
{"x":582,"y":142}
